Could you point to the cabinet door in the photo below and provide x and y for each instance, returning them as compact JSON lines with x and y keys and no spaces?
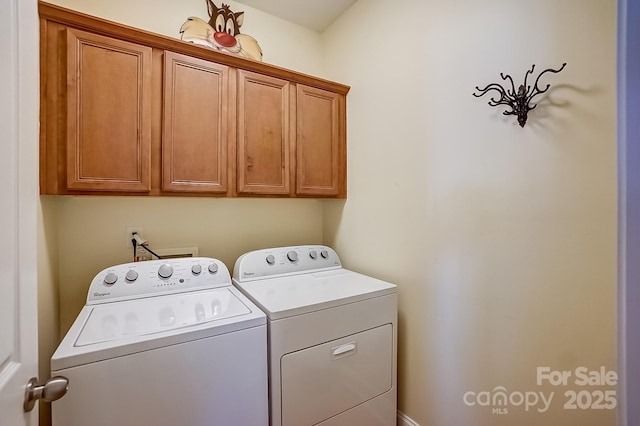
{"x":195,"y":125}
{"x":108,"y":114}
{"x":320,"y":155}
{"x":263,"y":134}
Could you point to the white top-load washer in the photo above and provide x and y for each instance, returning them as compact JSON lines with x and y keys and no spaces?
{"x":164,"y":343}
{"x":332,"y":337}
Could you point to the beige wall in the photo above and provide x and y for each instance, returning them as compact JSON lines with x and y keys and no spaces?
{"x":502,"y":240}
{"x":48,"y":292}
{"x":92,"y":233}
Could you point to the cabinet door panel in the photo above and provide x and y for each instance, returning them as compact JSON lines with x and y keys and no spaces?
{"x":108,"y":114}
{"x":195,"y":130}
{"x":263,"y":134}
{"x":318,"y":146}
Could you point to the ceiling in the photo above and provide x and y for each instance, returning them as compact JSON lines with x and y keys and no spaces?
{"x":315,"y":15}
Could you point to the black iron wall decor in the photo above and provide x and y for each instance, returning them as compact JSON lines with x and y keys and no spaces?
{"x":520,"y":101}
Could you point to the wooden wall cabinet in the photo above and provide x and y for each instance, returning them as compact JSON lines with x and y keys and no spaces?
{"x":319,"y":153}
{"x":128,"y":112}
{"x":195,"y":125}
{"x":264,"y":141}
{"x":289,"y":133}
{"x":108,"y":114}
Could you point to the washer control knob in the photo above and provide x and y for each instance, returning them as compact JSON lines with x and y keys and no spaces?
{"x":196,"y":269}
{"x":213,"y":268}
{"x":313,"y":254}
{"x":110,"y":279}
{"x":165,"y":270}
{"x":271,"y":259}
{"x":131,"y":276}
{"x":292,"y":256}
{"x":324,"y":254}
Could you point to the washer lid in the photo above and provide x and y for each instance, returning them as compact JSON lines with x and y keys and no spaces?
{"x":120,"y":328}
{"x":287,"y":296}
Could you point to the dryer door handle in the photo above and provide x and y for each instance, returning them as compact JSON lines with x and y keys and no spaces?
{"x":343,"y":350}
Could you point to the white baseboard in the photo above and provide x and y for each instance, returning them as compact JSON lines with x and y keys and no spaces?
{"x":404,"y":420}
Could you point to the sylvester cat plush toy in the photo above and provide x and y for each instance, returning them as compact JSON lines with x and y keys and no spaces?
{"x":222,"y":32}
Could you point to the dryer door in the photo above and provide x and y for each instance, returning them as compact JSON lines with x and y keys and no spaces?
{"x":325,"y":380}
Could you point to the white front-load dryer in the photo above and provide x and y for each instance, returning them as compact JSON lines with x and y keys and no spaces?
{"x":332,"y":337}
{"x":164,"y":343}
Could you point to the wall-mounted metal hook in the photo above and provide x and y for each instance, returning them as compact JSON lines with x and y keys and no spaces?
{"x":519,"y":101}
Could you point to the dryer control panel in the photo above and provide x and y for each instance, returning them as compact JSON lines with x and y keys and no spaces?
{"x":283,"y":261}
{"x":143,"y":279}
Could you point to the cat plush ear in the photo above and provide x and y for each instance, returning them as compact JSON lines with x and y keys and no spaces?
{"x":239,"y":18}
{"x":212,"y":9}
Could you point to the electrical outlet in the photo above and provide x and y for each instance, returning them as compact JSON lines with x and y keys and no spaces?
{"x":130,"y":231}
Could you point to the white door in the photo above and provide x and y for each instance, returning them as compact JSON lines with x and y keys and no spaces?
{"x":18,"y":206}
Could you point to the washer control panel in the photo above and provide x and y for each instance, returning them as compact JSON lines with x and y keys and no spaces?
{"x":284,"y":261}
{"x":143,"y":279}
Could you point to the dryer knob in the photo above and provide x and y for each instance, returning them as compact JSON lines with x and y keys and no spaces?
{"x":131,"y":276}
{"x":110,"y":279}
{"x":292,"y":256}
{"x":213,"y":268}
{"x":165,"y":270}
{"x":196,"y":269}
{"x":271,"y":259}
{"x":313,"y":254}
{"x":324,"y":254}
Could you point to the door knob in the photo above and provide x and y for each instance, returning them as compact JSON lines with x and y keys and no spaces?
{"x":54,"y":388}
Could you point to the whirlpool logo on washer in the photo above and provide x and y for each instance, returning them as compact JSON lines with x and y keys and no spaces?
{"x":98,"y":294}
